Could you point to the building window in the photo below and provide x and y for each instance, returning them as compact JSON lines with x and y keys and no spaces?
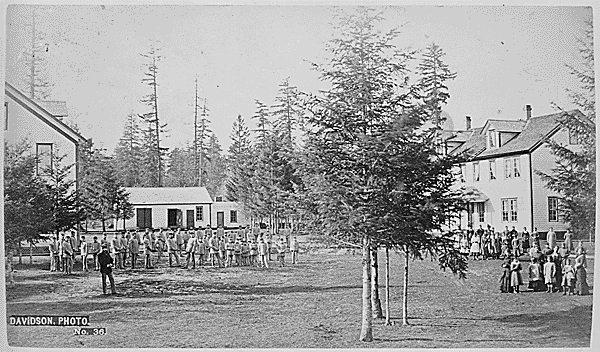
{"x":463,"y":172}
{"x":552,"y":208}
{"x":218,"y":199}
{"x":6,"y":116}
{"x":512,"y":167}
{"x":144,"y":218}
{"x":199,"y":213}
{"x":475,"y":172}
{"x":516,"y":167}
{"x":492,"y":170}
{"x":492,"y":138}
{"x":43,"y":152}
{"x":509,"y":210}
{"x":233,"y":216}
{"x":481,"y":211}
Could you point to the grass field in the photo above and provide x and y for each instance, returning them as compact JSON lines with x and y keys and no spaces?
{"x":314,"y":304}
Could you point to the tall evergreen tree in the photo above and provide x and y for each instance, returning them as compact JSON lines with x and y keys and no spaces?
{"x":434,"y":75}
{"x":128,"y":153}
{"x":36,"y":83}
{"x":357,"y":127}
{"x":152,"y":135}
{"x":215,"y":168}
{"x":237,"y":183}
{"x":574,"y":175}
{"x":181,"y":170}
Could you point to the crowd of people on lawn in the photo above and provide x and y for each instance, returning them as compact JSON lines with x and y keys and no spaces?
{"x":192,"y":246}
{"x":550,"y":269}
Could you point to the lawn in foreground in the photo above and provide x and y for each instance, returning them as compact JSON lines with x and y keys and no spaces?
{"x":313,"y":304}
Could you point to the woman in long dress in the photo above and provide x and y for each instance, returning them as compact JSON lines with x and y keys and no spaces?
{"x":505,"y":278}
{"x":581,"y":286}
{"x":569,"y":240}
{"x":515,"y":275}
{"x":551,"y":238}
{"x":475,"y":247}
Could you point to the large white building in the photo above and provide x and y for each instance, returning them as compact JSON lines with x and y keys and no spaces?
{"x":500,"y":174}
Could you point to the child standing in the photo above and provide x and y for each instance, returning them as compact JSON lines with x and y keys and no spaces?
{"x":549,"y":274}
{"x":515,"y":275}
{"x":253,"y":252}
{"x":535,"y":275}
{"x":568,"y":277}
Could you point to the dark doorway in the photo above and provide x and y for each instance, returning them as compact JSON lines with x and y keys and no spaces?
{"x":189,"y":218}
{"x":220,"y":219}
{"x":172,"y":217}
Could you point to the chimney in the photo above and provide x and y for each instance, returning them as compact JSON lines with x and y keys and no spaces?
{"x":528,"y":109}
{"x":468,"y":123}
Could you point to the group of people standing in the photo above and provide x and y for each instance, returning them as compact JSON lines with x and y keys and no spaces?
{"x":198,"y":246}
{"x":551,"y":271}
{"x":489,"y":244}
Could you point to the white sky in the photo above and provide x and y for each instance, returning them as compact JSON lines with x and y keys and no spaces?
{"x":505,"y":57}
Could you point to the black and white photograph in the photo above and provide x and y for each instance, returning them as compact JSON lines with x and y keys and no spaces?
{"x":325,"y":176}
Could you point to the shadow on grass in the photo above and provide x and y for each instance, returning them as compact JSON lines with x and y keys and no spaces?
{"x":575,"y":323}
{"x":145,"y":287}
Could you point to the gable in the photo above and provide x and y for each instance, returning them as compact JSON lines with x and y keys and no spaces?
{"x":42,"y":114}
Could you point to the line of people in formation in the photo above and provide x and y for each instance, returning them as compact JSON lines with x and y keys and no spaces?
{"x":197,"y":246}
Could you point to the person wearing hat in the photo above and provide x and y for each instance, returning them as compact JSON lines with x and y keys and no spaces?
{"x":294,"y":249}
{"x":281,"y":248}
{"x":190,"y":250}
{"x":200,"y":247}
{"x":106,"y":263}
{"x":96,"y":249}
{"x":134,"y":250}
{"x":117,"y":252}
{"x":230,"y":251}
{"x":262,"y":252}
{"x":67,"y":255}
{"x":253,"y":252}
{"x":172,"y":249}
{"x":147,"y":251}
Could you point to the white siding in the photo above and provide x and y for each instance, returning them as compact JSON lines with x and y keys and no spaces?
{"x":23,"y":124}
{"x":159,"y":215}
{"x":498,"y":189}
{"x":544,"y":161}
{"x":226,"y":208}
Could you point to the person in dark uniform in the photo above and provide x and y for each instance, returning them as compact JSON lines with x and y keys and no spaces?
{"x":106,"y":263}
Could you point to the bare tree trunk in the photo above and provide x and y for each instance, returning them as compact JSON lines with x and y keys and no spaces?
{"x":405,"y":290}
{"x":9,"y":268}
{"x":375,"y":301}
{"x":30,"y":252}
{"x":387,"y":286}
{"x":20,"y":253}
{"x":366,"y":331}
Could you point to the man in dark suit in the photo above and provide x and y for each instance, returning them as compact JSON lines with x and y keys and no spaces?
{"x":106,"y":263}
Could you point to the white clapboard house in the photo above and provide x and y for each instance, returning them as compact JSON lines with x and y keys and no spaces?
{"x":42,"y":124}
{"x":181,"y":207}
{"x":500,"y":175}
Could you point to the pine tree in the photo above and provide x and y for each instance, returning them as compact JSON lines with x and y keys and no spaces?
{"x":152,"y":133}
{"x":215,"y":170}
{"x":574,"y":175}
{"x":238,"y":162}
{"x":358,"y":132}
{"x":35,"y":83}
{"x":128,"y":154}
{"x":27,"y":206}
{"x":434,"y":75}
{"x":287,"y":112}
{"x":202,"y":141}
